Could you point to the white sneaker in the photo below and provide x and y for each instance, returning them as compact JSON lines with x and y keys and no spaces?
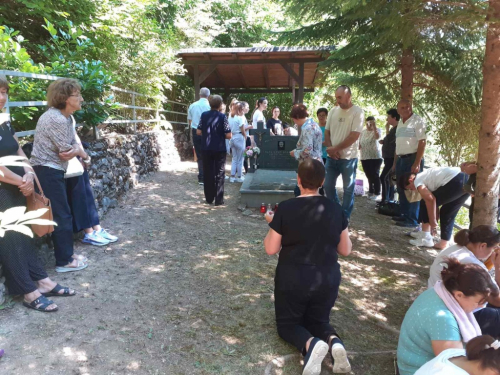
{"x":231,"y":179}
{"x":417,"y":234}
{"x":225,"y":177}
{"x":422,"y":241}
{"x":340,"y":361}
{"x":376,"y":197}
{"x":240,"y":179}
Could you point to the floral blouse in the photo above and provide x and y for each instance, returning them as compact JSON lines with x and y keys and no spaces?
{"x":310,"y":142}
{"x":370,"y":148}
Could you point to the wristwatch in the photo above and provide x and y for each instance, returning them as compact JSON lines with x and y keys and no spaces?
{"x":87,"y":161}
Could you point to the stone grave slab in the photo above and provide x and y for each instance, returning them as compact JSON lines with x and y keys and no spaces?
{"x":268,"y":186}
{"x":275,"y":153}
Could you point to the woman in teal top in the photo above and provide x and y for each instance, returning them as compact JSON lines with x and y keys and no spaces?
{"x":322,"y":115}
{"x":429,"y":326}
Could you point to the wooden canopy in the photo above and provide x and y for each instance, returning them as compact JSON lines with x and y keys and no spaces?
{"x":255,"y":70}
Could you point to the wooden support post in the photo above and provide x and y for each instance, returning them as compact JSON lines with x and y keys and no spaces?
{"x":301,"y":83}
{"x":293,"y":92}
{"x":196,"y":82}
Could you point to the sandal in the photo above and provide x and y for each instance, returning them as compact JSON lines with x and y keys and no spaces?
{"x":80,"y":257}
{"x":79,"y":266}
{"x":40,"y":304}
{"x":55,"y":292}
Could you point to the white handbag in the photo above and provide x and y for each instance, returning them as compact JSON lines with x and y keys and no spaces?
{"x":75,"y":168}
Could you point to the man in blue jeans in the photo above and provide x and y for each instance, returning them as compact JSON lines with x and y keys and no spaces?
{"x":343,"y":127}
{"x":409,"y":157}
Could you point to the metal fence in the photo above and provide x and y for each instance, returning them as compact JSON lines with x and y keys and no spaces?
{"x":132,"y":113}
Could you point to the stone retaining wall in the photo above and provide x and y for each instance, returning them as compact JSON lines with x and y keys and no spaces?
{"x":118,"y":163}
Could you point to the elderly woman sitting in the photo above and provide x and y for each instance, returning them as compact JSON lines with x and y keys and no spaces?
{"x":55,"y":144}
{"x":24,"y":273}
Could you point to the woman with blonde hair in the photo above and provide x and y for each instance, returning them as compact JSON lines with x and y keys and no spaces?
{"x":55,"y":144}
{"x":237,"y":124}
{"x":24,"y":274}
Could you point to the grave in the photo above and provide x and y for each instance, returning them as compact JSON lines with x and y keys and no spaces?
{"x":273,"y":178}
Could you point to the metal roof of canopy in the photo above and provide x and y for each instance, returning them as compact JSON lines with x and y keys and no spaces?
{"x":255,"y":69}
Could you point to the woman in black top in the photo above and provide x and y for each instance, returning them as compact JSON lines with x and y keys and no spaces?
{"x":309,"y":232}
{"x":24,"y":273}
{"x":388,"y":151}
{"x":214,"y":129}
{"x":274,"y":124}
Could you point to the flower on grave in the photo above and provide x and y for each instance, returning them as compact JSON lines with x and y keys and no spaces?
{"x":249,"y":153}
{"x":256,"y":150}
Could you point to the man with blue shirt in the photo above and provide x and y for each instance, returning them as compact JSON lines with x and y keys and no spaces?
{"x":194,"y":114}
{"x":409,"y":157}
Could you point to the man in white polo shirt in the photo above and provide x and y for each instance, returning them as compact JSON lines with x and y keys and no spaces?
{"x":343,"y":127}
{"x":194,"y":114}
{"x":410,"y":147}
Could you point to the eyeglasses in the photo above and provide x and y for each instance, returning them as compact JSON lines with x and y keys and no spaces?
{"x":78,"y":96}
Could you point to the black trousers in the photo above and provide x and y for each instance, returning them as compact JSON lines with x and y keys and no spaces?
{"x":372,"y":172}
{"x":54,"y":187}
{"x":197,"y":140}
{"x":301,"y":315}
{"x":21,"y":265}
{"x":214,"y":166}
{"x":489,"y":321}
{"x":81,"y":202}
{"x":387,"y":188}
{"x":450,"y":198}
{"x":248,"y":142}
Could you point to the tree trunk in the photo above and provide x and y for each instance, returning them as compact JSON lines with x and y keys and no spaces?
{"x":407,"y":74}
{"x":486,"y":197}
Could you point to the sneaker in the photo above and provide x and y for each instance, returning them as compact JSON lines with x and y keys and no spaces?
{"x":107,"y":236}
{"x":200,"y":182}
{"x":376,"y":197}
{"x":417,"y":234}
{"x":231,"y":179}
{"x":340,"y":361}
{"x":94,"y":239}
{"x":240,"y":179}
{"x":314,"y":357}
{"x":423,"y":241}
{"x":226,"y":177}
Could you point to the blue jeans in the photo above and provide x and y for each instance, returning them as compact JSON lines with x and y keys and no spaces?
{"x":346,"y":168}
{"x":408,"y":210}
{"x":54,"y":187}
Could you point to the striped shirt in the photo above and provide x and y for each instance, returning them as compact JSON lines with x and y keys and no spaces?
{"x":54,"y":134}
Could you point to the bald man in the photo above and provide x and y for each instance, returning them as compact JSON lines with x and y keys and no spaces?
{"x":343,"y":127}
{"x":410,"y":147}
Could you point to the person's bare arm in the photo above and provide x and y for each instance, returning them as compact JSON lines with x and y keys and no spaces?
{"x":420,"y":154}
{"x":377,"y":134}
{"x":272,"y":242}
{"x":199,"y":132}
{"x":345,"y":245}
{"x":395,"y":161}
{"x":439,"y":346}
{"x":228,"y":135}
{"x":328,"y":140}
{"x":10,"y":177}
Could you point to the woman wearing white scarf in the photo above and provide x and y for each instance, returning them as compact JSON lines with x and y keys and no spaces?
{"x":441,"y":318}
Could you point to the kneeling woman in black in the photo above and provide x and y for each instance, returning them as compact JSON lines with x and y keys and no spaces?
{"x":309,"y":232}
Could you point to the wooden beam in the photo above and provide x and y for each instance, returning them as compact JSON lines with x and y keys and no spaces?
{"x":266,"y":76}
{"x":207,"y":72}
{"x":254,"y":61}
{"x":257,"y":91}
{"x":220,"y":78}
{"x":291,"y":72}
{"x":301,"y":82}
{"x":242,"y":77}
{"x":196,"y":82}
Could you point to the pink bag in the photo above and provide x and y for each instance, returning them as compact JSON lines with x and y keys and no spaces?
{"x":359,"y":187}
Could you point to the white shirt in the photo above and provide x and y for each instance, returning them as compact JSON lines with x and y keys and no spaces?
{"x":434,"y":178}
{"x":235,"y":124}
{"x":258,"y":116}
{"x":340,"y":123}
{"x":408,"y":134}
{"x":196,"y":109}
{"x":441,"y":365}
{"x":462,"y":254}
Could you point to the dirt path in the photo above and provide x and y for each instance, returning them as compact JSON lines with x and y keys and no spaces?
{"x":188,"y":290}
